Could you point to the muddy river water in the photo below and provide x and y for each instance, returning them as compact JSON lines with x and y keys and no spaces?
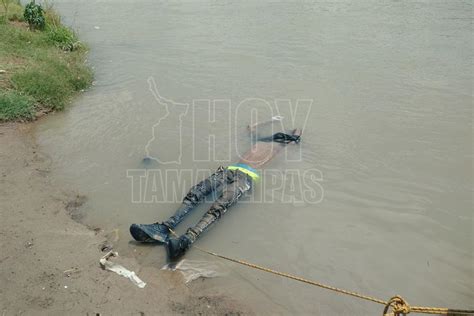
{"x":378,"y":197}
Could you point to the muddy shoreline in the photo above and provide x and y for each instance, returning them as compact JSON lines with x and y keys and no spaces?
{"x":49,"y":263}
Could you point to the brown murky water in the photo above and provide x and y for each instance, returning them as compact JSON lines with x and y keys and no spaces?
{"x":389,"y":130}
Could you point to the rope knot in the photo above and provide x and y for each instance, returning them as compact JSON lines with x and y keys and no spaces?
{"x":398,"y":305}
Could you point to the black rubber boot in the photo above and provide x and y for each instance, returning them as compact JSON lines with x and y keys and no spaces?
{"x":176,"y":247}
{"x":150,"y":232}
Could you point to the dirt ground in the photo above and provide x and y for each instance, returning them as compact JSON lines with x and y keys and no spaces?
{"x":49,"y":262}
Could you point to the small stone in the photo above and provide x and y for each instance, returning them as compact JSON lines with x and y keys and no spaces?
{"x":3,"y":71}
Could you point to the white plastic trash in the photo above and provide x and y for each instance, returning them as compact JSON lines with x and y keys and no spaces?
{"x":193,"y":269}
{"x":120,"y":270}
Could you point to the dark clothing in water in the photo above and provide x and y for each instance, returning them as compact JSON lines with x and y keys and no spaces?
{"x":232,"y":183}
{"x":227,"y":183}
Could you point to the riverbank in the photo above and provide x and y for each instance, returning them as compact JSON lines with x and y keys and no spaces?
{"x":50,"y":262}
{"x":40,"y":70}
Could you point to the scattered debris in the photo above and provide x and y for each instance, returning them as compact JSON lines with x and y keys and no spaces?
{"x":120,"y":270}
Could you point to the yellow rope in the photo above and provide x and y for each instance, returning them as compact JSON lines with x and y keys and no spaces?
{"x":394,"y":307}
{"x":286,"y":275}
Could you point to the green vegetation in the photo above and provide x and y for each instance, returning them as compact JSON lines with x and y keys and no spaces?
{"x":41,"y":68}
{"x":11,"y":10}
{"x":34,"y":15}
{"x":15,"y":106}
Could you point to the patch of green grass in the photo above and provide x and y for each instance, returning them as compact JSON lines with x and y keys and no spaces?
{"x":45,"y":86}
{"x":14,"y":106}
{"x":62,"y":37}
{"x":15,"y":12}
{"x":46,"y":67}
